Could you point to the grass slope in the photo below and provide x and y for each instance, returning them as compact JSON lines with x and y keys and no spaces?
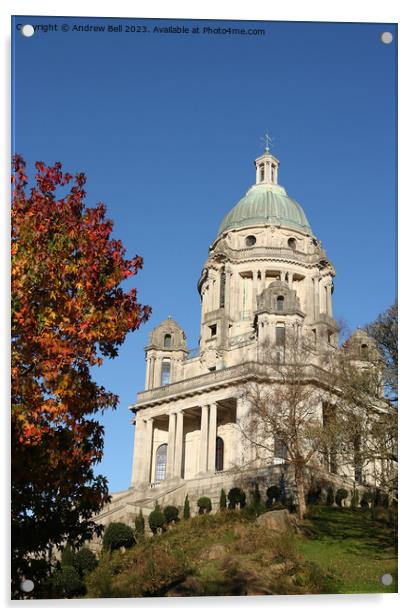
{"x":357,"y":547}
{"x":228,"y":554}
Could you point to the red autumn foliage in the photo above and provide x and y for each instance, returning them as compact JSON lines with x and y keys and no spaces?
{"x":69,"y":312}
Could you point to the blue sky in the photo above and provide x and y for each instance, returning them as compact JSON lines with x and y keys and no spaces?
{"x":166,"y":127}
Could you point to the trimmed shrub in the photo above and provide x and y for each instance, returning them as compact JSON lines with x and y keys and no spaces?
{"x":186,"y":508}
{"x":341,"y":494}
{"x":117,"y":535}
{"x":377,"y":498}
{"x":236,"y":496}
{"x":84,"y":561}
{"x":355,"y":499}
{"x":283,"y":491}
{"x":222,"y":500}
{"x":66,"y":583}
{"x":139,"y":525}
{"x":366,"y":500}
{"x":273,"y":495}
{"x":171,"y":514}
{"x":314,"y":495}
{"x":330,"y":496}
{"x":256,"y":496}
{"x":157,"y":520}
{"x":205,"y":504}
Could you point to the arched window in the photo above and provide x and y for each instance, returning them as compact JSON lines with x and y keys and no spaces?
{"x":261,"y":173}
{"x":272,"y":173}
{"x":292,"y":243}
{"x":364,"y":351}
{"x":219,"y":454}
{"x":280,"y":303}
{"x":167,"y":340}
{"x":161,"y":462}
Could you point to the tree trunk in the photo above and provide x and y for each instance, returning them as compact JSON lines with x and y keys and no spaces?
{"x":299,"y":483}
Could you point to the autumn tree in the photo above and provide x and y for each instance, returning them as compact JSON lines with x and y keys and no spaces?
{"x":69,"y":312}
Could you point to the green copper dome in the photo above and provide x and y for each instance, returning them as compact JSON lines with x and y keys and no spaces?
{"x":266,"y":204}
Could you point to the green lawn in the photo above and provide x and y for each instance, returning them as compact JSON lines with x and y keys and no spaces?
{"x":353,"y":547}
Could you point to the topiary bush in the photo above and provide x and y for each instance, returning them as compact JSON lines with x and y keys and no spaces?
{"x":341,"y":494}
{"x":186,"y":508}
{"x":222,"y":500}
{"x":314,"y":494}
{"x":117,"y":535}
{"x":236,"y":496}
{"x":354,"y":503}
{"x":139,"y":526}
{"x":157,"y":520}
{"x":171,"y":514}
{"x":205,"y":504}
{"x":273,"y":495}
{"x":330,"y":496}
{"x":84,"y":561}
{"x":366,"y":499}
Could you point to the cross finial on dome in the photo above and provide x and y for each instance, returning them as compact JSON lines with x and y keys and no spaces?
{"x":268,"y":140}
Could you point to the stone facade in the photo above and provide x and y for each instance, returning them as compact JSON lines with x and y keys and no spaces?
{"x":265,"y":273}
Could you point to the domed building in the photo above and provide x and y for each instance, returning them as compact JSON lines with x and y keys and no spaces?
{"x":266,"y":272}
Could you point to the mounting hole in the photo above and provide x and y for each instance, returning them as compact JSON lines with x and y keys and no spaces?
{"x":386,"y":37}
{"x":27,"y":30}
{"x":27,"y":586}
{"x":386,"y":579}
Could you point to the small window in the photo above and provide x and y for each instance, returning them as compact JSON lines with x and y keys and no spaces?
{"x":219,"y":454}
{"x":314,"y":336}
{"x":261,"y":173}
{"x":167,"y":340}
{"x":280,"y":303}
{"x":250,"y":240}
{"x":272,"y":173}
{"x":364,"y":351}
{"x":165,"y":372}
{"x":213,"y":330}
{"x":292,"y":243}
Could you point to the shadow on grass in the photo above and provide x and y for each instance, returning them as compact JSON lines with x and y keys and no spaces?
{"x":358,"y":531}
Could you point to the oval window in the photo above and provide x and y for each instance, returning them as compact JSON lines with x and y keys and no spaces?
{"x":250,"y":240}
{"x":292,"y":243}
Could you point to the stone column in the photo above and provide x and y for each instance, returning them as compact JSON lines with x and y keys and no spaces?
{"x":139,"y":451}
{"x":243,"y":449}
{"x":203,"y":446}
{"x":148,"y":451}
{"x":212,"y":437}
{"x":316,"y":281}
{"x":156,"y":372}
{"x":329,"y":301}
{"x":179,"y":445}
{"x":290,"y":280}
{"x":254,"y":289}
{"x":227,"y":291}
{"x":171,"y":441}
